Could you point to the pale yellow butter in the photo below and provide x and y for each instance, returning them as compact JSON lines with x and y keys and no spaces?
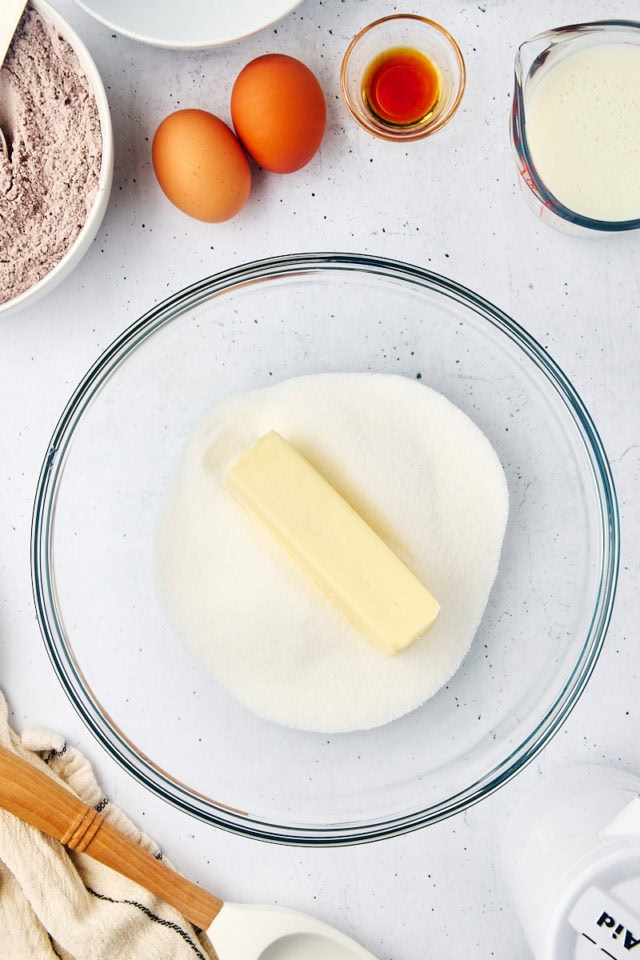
{"x":383,"y":599}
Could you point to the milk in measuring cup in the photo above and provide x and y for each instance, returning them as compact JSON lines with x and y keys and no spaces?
{"x":583,"y":130}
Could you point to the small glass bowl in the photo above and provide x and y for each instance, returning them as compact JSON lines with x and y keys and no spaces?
{"x":403,"y":30}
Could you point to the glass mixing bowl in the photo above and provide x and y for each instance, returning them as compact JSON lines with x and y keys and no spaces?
{"x":106,"y":472}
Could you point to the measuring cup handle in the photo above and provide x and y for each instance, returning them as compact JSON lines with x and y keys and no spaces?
{"x":624,"y":824}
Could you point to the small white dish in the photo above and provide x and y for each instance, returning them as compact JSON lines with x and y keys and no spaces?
{"x":191,"y":25}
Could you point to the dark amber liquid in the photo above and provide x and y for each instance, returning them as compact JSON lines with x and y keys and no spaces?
{"x":402,"y":86}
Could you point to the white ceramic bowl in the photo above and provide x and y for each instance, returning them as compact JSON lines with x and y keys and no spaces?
{"x":84,"y":239}
{"x":193,"y":25}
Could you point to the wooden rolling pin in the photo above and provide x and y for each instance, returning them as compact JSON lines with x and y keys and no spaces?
{"x":37,"y":799}
{"x":238,"y":931}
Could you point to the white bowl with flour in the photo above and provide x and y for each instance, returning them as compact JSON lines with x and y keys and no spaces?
{"x":56,"y":179}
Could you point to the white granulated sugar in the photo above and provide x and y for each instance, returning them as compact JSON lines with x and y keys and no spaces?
{"x":416,"y":469}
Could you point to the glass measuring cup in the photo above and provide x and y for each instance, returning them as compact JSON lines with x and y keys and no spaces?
{"x":535,"y":58}
{"x":570,"y":861}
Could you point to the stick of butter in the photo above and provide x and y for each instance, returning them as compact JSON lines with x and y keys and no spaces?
{"x":383,"y":599}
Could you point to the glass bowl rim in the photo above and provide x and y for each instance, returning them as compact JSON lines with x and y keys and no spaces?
{"x":101,"y":725}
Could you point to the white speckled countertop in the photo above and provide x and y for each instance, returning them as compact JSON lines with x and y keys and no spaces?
{"x":450,"y":203}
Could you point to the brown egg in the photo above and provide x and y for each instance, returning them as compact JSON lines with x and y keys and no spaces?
{"x":200,"y":165}
{"x":279,"y":112}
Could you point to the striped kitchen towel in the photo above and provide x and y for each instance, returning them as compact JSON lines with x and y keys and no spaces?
{"x":57,"y":904}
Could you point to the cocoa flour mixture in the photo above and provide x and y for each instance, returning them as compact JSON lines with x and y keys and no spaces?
{"x":49,"y":179}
